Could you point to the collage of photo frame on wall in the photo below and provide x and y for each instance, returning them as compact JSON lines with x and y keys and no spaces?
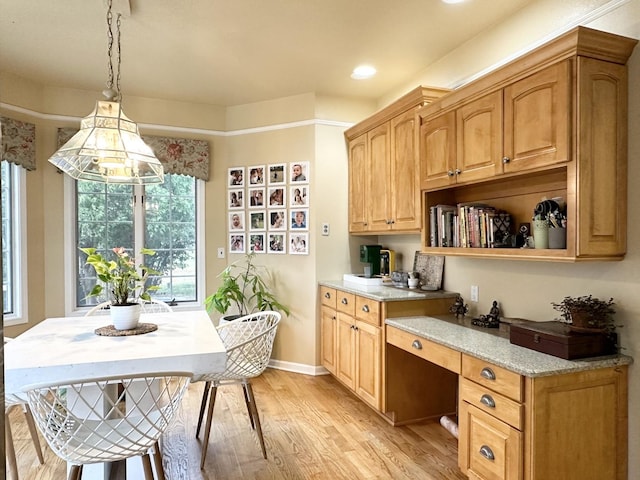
{"x":268,"y":208}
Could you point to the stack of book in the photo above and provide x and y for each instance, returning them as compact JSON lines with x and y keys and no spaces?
{"x":467,"y":225}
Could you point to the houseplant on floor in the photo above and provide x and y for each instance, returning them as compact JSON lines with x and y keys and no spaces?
{"x":125,"y":284}
{"x":246,"y":287}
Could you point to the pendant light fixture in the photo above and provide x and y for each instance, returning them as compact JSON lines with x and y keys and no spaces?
{"x":108,"y":147}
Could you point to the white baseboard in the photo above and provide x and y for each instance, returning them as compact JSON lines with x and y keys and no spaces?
{"x":298,"y":368}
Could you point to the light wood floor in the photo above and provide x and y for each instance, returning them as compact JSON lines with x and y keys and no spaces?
{"x":313,"y":428}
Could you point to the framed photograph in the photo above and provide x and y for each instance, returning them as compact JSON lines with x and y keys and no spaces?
{"x":236,"y":177}
{"x":256,"y":242}
{"x":236,"y":221}
{"x":256,"y":175}
{"x":277,"y":175}
{"x":299,"y":172}
{"x":236,"y":243}
{"x":256,"y":198}
{"x":299,"y":196}
{"x":277,"y":197}
{"x":299,"y":219}
{"x":277,"y":243}
{"x":257,"y":220}
{"x":277,"y":219}
{"x":298,"y":243}
{"x":236,"y":198}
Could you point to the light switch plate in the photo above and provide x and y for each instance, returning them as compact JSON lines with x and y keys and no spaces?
{"x":220,"y":252}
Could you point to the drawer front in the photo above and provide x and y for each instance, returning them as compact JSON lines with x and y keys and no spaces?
{"x":496,"y":378}
{"x":491,"y":449}
{"x":368,"y":311}
{"x":328,"y":297}
{"x":501,"y":407}
{"x":345,"y":302}
{"x":426,"y":349}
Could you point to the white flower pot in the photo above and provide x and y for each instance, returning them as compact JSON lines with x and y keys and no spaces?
{"x":125,"y":317}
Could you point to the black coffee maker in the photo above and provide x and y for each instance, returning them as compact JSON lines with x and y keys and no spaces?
{"x":370,"y":254}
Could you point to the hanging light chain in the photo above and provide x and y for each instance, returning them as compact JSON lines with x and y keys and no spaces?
{"x":113,"y":90}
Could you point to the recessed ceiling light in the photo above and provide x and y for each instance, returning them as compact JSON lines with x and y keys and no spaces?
{"x":453,"y":1}
{"x":362,"y":72}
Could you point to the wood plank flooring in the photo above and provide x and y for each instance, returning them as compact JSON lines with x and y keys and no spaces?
{"x":313,"y":429}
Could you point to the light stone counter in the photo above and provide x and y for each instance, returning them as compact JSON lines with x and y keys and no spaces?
{"x":492,"y":346}
{"x":382,"y":293}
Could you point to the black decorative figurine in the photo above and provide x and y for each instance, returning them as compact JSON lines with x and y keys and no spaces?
{"x":458,"y":307}
{"x":490,"y":320}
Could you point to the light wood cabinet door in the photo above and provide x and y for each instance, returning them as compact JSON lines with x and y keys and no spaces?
{"x":358,"y":175}
{"x":368,"y":363}
{"x":479,"y":139}
{"x":378,"y":196}
{"x":345,"y":355}
{"x":438,"y":152}
{"x":537,"y":119}
{"x":329,"y":329}
{"x":602,"y":183}
{"x":406,"y":209}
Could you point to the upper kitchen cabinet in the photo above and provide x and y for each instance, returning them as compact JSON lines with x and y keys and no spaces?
{"x":552,"y":123}
{"x":384,"y":178}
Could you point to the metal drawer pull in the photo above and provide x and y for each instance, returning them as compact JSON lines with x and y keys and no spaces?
{"x":327,"y":295}
{"x":488,"y":401}
{"x":344,"y":301}
{"x":417,"y":345}
{"x":487,"y":373}
{"x":487,"y":453}
{"x":365,"y":309}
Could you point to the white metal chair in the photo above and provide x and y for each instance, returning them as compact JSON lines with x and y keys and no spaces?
{"x":146,"y":306}
{"x":92,"y":421}
{"x":11,"y":402}
{"x":249,"y":342}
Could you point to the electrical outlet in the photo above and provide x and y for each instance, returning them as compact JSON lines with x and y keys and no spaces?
{"x":474,"y":293}
{"x":220,"y":252}
{"x":325,"y":229}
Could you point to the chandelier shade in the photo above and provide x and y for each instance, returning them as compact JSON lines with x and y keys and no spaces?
{"x":108,"y":149}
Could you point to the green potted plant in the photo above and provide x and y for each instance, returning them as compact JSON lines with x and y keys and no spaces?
{"x":587,"y":313}
{"x":124,"y":282}
{"x":246,"y":287}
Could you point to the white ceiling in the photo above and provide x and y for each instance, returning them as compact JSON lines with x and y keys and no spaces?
{"x":232,"y":52}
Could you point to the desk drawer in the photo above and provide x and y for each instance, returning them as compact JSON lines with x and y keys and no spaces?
{"x":346,"y":302}
{"x":496,"y":378}
{"x":426,"y":349}
{"x":368,"y":310}
{"x":493,"y":403}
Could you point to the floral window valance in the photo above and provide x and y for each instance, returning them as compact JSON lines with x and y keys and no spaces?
{"x":183,"y":156}
{"x":18,"y":142}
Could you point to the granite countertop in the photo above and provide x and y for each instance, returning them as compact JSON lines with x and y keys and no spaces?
{"x":383,"y":293}
{"x":493,"y":346}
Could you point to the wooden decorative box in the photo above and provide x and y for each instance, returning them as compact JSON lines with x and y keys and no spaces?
{"x":556,"y":338}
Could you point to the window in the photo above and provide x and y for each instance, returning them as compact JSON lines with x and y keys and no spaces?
{"x":162,"y":217}
{"x":14,"y":254}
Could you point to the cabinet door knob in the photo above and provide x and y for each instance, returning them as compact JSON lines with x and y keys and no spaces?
{"x":450,"y":173}
{"x":417,"y":345}
{"x":487,"y":453}
{"x":365,"y":308}
{"x":488,"y":401}
{"x":327,"y":295}
{"x":487,"y":373}
{"x":506,"y":159}
{"x":458,"y":171}
{"x":344,"y":301}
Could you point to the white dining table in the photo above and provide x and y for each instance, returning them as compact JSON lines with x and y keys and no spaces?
{"x":67,"y":348}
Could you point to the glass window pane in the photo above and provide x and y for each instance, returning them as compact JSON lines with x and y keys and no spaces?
{"x":8,"y":265}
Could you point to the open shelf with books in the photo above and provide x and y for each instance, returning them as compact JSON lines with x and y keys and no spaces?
{"x":515,"y":196}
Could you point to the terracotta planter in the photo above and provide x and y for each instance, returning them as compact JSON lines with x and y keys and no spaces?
{"x":125,"y":317}
{"x":580,"y":322}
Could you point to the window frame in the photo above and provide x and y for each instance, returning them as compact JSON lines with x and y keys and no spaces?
{"x":70,"y":257}
{"x":19,"y":247}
